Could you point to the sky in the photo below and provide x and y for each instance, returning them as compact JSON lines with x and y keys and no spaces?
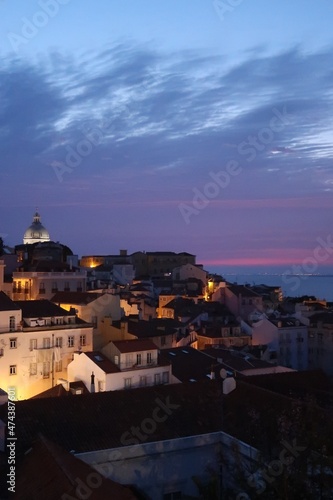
{"x":188,"y":125}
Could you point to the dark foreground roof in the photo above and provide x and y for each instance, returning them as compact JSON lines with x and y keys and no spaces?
{"x":41,"y":308}
{"x":50,"y":472}
{"x":6,"y":304}
{"x":100,"y":421}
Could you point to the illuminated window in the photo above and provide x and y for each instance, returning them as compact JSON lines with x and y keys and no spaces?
{"x":33,"y":344}
{"x":13,"y":343}
{"x":26,"y":287}
{"x":33,"y":368}
{"x":12,"y":370}
{"x":19,"y":287}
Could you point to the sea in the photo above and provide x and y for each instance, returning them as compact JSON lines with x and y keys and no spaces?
{"x":293,"y":285}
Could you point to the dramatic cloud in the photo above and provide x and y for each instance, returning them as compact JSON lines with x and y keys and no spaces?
{"x":130,"y":126}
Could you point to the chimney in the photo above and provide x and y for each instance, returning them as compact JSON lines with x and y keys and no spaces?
{"x":92,"y":383}
{"x":212,"y":373}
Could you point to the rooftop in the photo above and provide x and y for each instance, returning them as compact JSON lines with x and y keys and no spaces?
{"x":41,"y":308}
{"x":101,"y":361}
{"x":6,"y":304}
{"x":125,"y":346}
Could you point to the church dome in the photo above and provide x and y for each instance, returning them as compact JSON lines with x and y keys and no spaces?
{"x":36,"y":232}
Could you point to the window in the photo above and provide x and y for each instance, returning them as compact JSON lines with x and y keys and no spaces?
{"x":165,"y":377}
{"x":70,"y":341}
{"x":54,"y":287}
{"x":58,"y":342}
{"x":46,"y":343}
{"x":12,"y":370}
{"x":58,"y":366}
{"x":13,"y":343}
{"x":83,"y":340}
{"x":157,"y":378}
{"x":143,"y":381}
{"x":148,"y":358}
{"x":129,"y":360}
{"x":12,"y":324}
{"x":41,"y":288}
{"x":46,"y":369}
{"x":19,"y":287}
{"x":79,"y":287}
{"x":116,"y":360}
{"x":26,"y":287}
{"x":33,"y":368}
{"x":128,"y":383}
{"x":33,"y":344}
{"x":1,"y":352}
{"x":138,"y":359}
{"x":66,"y":288}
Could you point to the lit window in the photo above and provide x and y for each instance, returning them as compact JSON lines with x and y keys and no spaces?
{"x":12,"y":370}
{"x":13,"y":343}
{"x":33,"y":368}
{"x":71,"y":341}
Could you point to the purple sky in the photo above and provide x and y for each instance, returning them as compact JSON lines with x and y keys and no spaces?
{"x":170,"y":126}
